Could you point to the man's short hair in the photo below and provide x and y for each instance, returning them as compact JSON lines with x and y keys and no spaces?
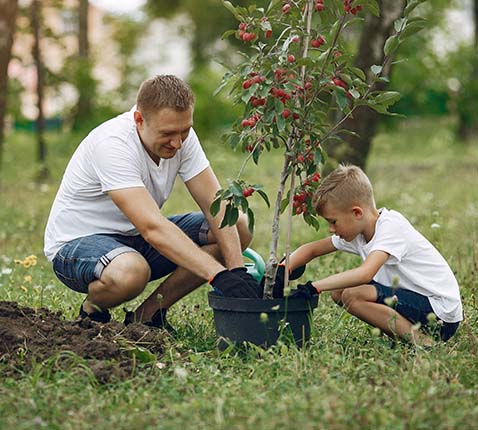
{"x":164,"y":91}
{"x":344,"y":187}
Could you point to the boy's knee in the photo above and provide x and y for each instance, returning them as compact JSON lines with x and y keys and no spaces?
{"x":362,"y":293}
{"x":337,"y":297}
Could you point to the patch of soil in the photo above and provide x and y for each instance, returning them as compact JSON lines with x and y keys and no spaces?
{"x":110,"y":350}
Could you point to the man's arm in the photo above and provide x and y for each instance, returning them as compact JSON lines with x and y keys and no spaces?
{"x":203,"y":188}
{"x":140,"y":208}
{"x":354,"y":277}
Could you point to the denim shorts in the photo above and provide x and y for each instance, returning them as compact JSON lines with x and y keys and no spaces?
{"x":82,"y":261}
{"x":415,"y":308}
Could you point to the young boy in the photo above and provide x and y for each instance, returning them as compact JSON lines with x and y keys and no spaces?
{"x":398,"y":263}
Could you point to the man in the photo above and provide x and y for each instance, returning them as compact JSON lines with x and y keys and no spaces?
{"x":106,"y":235}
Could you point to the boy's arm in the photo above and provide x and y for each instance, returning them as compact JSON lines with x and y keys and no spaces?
{"x":354,"y":277}
{"x":305,"y":253}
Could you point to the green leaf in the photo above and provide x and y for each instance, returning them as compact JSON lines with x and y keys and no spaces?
{"x":250,"y":216}
{"x":232,"y":9}
{"x":215,"y":206}
{"x":233,"y":216}
{"x":312,"y":221}
{"x":341,"y":98}
{"x":227,"y":34}
{"x":359,"y":72}
{"x":387,"y":98}
{"x":220,"y":88}
{"x":271,"y":5}
{"x":376,"y":70}
{"x":280,"y":121}
{"x":411,"y":6}
{"x":355,"y":94}
{"x":398,"y":24}
{"x":412,"y":28}
{"x":225,"y":220}
{"x":244,"y":204}
{"x":265,"y":197}
{"x":236,"y":189}
{"x":391,"y":44}
{"x":143,"y":354}
{"x":283,"y":204}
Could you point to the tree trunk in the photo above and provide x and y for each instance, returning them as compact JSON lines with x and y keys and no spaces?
{"x":85,"y":84}
{"x":40,"y":120}
{"x":364,"y":122}
{"x":7,"y":30}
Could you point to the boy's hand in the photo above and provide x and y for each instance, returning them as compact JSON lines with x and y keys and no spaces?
{"x":304,"y":291}
{"x":230,"y":284}
{"x":278,"y":289}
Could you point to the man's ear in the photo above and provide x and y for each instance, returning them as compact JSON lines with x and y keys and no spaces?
{"x":357,"y":211}
{"x":138,"y":118}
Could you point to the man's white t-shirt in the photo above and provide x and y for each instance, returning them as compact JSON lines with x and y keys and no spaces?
{"x":112,"y":157}
{"x":414,"y":263}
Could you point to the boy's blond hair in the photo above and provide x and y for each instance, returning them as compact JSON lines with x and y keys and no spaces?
{"x":164,"y":91}
{"x":344,"y":187}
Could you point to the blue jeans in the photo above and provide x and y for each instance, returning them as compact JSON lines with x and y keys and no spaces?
{"x":415,"y":308}
{"x":82,"y":261}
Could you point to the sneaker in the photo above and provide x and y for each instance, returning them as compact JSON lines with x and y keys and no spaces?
{"x":101,"y":316}
{"x":158,"y":320}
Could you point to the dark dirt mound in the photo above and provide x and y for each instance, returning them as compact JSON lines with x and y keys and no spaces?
{"x":110,"y":350}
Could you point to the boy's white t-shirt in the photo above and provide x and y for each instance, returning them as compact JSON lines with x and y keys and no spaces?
{"x":414,"y":263}
{"x":112,"y":157}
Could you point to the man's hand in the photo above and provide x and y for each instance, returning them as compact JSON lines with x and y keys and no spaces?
{"x":247,"y":277}
{"x":230,"y":284}
{"x":304,"y":291}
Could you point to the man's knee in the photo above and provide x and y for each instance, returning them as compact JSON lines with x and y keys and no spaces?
{"x":245,"y":236}
{"x":126,"y":276}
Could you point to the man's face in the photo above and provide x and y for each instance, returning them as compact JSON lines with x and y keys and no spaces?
{"x":163,"y":132}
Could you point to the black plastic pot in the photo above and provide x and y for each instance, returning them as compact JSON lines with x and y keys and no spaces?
{"x":245,"y":320}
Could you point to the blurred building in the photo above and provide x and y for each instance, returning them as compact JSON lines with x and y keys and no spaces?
{"x":63,"y":22}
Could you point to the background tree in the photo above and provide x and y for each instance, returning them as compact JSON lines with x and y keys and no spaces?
{"x":354,"y":148}
{"x":7,"y":30}
{"x":467,"y":105}
{"x":84,"y":82}
{"x":40,"y":119}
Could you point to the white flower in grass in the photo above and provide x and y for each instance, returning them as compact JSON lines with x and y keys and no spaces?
{"x":435,"y":225}
{"x":6,"y":271}
{"x":181,"y":373}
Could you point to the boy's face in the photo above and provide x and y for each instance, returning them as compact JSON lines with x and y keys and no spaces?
{"x":345,"y":223}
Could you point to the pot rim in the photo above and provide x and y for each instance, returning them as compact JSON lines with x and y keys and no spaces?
{"x":218,"y":302}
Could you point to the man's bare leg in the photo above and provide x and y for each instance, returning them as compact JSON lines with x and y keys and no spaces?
{"x":180,"y":283}
{"x":123,"y":279}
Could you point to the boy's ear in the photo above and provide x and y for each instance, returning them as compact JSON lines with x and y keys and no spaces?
{"x":357,"y":211}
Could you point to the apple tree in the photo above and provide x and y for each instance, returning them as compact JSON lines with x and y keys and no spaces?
{"x":300,"y":72}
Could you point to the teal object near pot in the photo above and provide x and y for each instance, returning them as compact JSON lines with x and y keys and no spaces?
{"x":256,"y":267}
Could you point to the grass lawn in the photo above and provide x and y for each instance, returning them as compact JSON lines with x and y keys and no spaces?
{"x":348,"y":378}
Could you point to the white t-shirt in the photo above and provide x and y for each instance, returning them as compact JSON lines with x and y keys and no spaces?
{"x":112,"y":157}
{"x":414,"y":262}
